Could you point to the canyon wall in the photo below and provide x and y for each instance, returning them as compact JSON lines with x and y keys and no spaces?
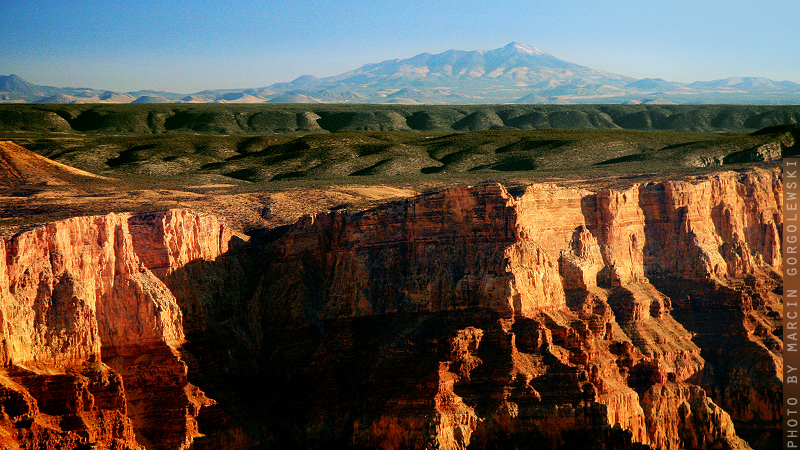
{"x":90,"y":335}
{"x":567,"y":294}
{"x":468,"y":318}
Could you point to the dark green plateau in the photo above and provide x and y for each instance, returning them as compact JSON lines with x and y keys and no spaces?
{"x":317,"y":118}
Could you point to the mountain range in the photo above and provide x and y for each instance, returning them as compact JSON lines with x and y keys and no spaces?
{"x":516,"y":73}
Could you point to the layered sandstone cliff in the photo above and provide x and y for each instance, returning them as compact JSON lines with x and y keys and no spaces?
{"x":470,"y":318}
{"x":571,"y":328}
{"x":90,"y":335}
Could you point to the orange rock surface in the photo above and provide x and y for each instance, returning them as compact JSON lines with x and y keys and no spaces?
{"x":579,"y":286}
{"x":90,"y":336}
{"x":465,"y":318}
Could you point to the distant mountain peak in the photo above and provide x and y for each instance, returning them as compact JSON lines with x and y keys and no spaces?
{"x":524,"y":48}
{"x":12,"y":82}
{"x":516,"y":72}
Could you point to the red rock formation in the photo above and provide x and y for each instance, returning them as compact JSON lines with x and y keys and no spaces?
{"x":90,"y":335}
{"x":464,"y":318}
{"x":701,"y":424}
{"x":568,"y":275}
{"x":166,"y":241}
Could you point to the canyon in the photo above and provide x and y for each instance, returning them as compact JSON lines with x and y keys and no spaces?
{"x":480,"y":317}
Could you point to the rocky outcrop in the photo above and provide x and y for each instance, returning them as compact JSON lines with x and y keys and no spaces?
{"x":701,"y":424}
{"x":90,"y":335}
{"x":20,"y":166}
{"x":468,"y":318}
{"x":786,"y":143}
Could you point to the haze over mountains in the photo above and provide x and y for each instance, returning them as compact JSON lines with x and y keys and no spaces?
{"x":516,"y":73}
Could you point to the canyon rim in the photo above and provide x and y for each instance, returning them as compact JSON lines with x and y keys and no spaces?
{"x":482,"y":316}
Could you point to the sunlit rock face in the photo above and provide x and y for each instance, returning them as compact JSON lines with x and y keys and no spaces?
{"x":91,"y":335}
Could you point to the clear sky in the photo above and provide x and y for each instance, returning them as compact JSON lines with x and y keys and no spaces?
{"x":186,"y":46}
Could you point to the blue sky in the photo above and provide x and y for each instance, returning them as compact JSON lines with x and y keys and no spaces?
{"x":187,"y":46}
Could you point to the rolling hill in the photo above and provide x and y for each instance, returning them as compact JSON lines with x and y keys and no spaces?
{"x":20,"y":166}
{"x":297,"y":119}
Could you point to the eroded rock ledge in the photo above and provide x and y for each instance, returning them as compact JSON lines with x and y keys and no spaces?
{"x":468,"y":318}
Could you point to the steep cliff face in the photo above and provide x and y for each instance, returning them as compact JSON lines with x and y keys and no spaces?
{"x":701,"y":424}
{"x":91,"y":335}
{"x":575,"y":298}
{"x":441,"y":252}
{"x":470,"y":318}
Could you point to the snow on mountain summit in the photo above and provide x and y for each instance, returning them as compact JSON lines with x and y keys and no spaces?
{"x":524,"y":48}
